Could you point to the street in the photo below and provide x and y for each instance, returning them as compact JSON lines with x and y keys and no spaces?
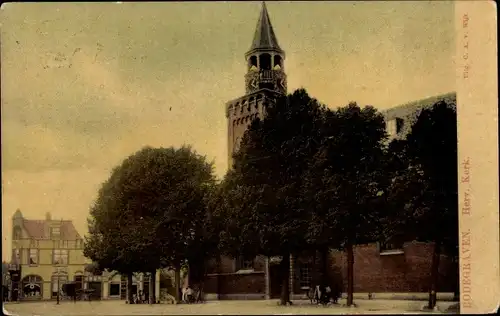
{"x":218,"y":308}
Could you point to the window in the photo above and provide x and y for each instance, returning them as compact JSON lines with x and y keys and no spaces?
{"x":60,"y":256}
{"x":33,"y":258}
{"x":94,"y":278}
{"x":391,"y":247}
{"x":305,"y":277}
{"x":245,"y":264}
{"x":79,"y":281}
{"x":399,"y":125}
{"x":33,"y":243}
{"x":55,"y":232}
{"x":265,"y":61}
{"x":114,"y":289}
{"x":391,"y":128}
{"x":32,"y":287}
{"x":17,"y":233}
{"x":79,"y":244}
{"x":16,"y":256}
{"x":252,"y":63}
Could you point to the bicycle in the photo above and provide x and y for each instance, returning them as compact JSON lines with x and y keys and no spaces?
{"x":195,"y":296}
{"x":313,"y":294}
{"x":316,"y":296}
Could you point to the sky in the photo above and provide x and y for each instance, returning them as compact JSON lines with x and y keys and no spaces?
{"x":84,"y":85}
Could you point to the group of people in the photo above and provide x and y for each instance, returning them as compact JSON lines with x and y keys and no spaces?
{"x":139,"y":298}
{"x":324,"y":294}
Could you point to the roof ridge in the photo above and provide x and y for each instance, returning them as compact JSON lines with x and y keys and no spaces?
{"x":45,"y":220}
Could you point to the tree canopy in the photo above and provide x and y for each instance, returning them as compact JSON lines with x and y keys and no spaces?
{"x":345,"y":178}
{"x":152,"y":212}
{"x":262,"y":193}
{"x":423,"y":194}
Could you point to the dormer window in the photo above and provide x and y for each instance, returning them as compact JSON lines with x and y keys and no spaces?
{"x":55,"y":232}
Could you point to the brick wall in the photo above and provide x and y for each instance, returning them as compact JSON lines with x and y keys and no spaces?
{"x":227,"y":265}
{"x":407,"y":272}
{"x":227,"y":281}
{"x":234,"y":283}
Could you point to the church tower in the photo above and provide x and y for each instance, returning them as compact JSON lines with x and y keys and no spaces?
{"x":265,"y":81}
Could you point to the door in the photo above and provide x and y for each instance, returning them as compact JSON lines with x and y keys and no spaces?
{"x":275,"y":278}
{"x":96,"y":290}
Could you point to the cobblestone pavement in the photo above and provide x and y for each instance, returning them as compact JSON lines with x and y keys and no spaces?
{"x":217,"y":308}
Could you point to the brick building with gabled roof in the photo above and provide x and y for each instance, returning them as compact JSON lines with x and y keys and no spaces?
{"x":45,"y":251}
{"x":49,"y":253}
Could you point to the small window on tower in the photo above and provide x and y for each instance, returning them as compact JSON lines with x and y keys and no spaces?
{"x":277,"y":62}
{"x":252,"y":63}
{"x":265,"y":62}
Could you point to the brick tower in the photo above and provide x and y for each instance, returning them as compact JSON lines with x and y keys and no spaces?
{"x":265,"y":80}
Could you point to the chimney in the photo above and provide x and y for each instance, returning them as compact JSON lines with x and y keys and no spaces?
{"x":47,"y":216}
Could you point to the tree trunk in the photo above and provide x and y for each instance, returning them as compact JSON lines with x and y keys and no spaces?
{"x":285,"y":274}
{"x":177,"y":284}
{"x":315,"y":270}
{"x":219,"y":264}
{"x":130,"y":294}
{"x":350,"y":274}
{"x":436,"y":255}
{"x":324,"y":265}
{"x":152,"y":287}
{"x":186,"y":280}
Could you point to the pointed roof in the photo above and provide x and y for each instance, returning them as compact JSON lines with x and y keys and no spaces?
{"x":17,"y":214}
{"x":264,"y":37}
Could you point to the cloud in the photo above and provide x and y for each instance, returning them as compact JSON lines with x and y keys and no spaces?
{"x":91,"y":115}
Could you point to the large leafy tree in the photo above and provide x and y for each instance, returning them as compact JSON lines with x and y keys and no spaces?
{"x":149,"y":213}
{"x":429,"y":186}
{"x":109,"y":245}
{"x":345,"y":182}
{"x":262,"y":192}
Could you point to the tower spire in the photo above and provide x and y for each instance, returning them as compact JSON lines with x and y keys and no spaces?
{"x":264,"y":37}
